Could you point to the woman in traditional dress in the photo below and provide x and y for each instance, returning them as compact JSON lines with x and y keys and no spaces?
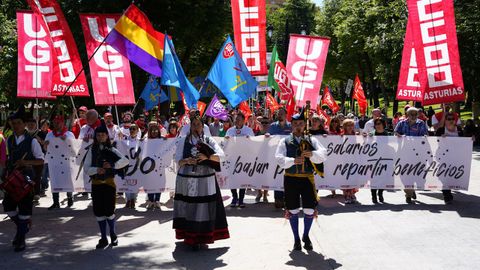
{"x":198,"y":212}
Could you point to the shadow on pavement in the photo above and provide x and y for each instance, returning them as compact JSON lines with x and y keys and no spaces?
{"x":311,"y":260}
{"x":464,"y":204}
{"x":202,"y":259}
{"x":53,"y":243}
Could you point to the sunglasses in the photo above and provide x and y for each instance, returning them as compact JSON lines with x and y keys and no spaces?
{"x":133,"y":128}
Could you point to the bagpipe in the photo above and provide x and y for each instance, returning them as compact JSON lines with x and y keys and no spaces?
{"x":207,"y":150}
{"x":306,"y":144}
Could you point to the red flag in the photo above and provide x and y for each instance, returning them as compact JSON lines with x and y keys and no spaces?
{"x":408,"y":86}
{"x":272,"y":104}
{"x":359,"y":95}
{"x":185,"y":106}
{"x":329,"y":100}
{"x":307,"y":56}
{"x":283,"y":82}
{"x":257,"y":106}
{"x":34,"y":58}
{"x":201,"y":107}
{"x":291,"y":104}
{"x":249,"y":25}
{"x":436,"y":51}
{"x":325,"y":116}
{"x":109,"y":70}
{"x":245,"y":109}
{"x":66,"y":60}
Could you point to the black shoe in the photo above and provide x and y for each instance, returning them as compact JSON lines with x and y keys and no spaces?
{"x":113,"y":240}
{"x":448,"y":200}
{"x":414,"y":195}
{"x":374,"y":200}
{"x":297,"y":245}
{"x":54,"y":206}
{"x":234,"y":203}
{"x":20,"y":245}
{"x":409,"y":200}
{"x":307,"y":243}
{"x":70,"y":202}
{"x":241,"y":205}
{"x":102,"y":243}
{"x":380,"y":198}
{"x":279,"y":203}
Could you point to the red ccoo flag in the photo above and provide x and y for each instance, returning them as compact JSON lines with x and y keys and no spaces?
{"x":245,"y":109}
{"x":272,"y":104}
{"x":329,"y":100}
{"x":359,"y":95}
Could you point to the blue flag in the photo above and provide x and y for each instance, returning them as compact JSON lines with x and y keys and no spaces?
{"x":208,"y":90}
{"x":173,"y":75}
{"x":231,"y":76}
{"x":152,"y":94}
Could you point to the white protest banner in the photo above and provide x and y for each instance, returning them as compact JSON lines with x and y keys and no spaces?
{"x":64,"y":165}
{"x":151,"y":165}
{"x":386,"y":162}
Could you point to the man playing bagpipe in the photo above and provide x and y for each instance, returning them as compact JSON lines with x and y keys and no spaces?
{"x":24,"y":153}
{"x":300,"y":155}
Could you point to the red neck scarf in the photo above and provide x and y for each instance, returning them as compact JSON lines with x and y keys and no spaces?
{"x":61,"y":133}
{"x":96,"y":124}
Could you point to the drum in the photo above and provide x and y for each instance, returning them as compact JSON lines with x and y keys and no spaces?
{"x":17,"y":186}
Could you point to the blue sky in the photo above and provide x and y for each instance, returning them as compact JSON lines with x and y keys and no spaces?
{"x":318,"y":2}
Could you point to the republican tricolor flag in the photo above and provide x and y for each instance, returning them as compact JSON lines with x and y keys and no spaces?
{"x":135,"y":38}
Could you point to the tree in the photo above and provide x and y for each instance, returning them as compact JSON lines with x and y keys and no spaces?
{"x":293,"y":17}
{"x":198,"y":29}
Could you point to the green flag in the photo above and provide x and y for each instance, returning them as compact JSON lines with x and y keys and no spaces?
{"x":271,"y":80}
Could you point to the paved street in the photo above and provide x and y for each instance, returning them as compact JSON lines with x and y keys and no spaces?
{"x":429,"y":235}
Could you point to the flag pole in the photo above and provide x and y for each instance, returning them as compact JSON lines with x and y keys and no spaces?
{"x":116,"y":114}
{"x":82,"y":70}
{"x":135,"y":106}
{"x":73,"y":104}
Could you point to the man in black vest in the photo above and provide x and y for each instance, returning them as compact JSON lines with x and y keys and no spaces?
{"x":24,"y":152}
{"x":299,"y":155}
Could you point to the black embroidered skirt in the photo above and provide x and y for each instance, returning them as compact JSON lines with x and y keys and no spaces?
{"x":198,"y":212}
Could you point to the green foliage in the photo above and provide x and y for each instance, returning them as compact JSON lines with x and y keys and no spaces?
{"x":367,"y":38}
{"x":291,"y":18}
{"x":198,"y":29}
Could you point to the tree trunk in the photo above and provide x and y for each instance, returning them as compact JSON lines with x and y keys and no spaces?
{"x":373,"y":83}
